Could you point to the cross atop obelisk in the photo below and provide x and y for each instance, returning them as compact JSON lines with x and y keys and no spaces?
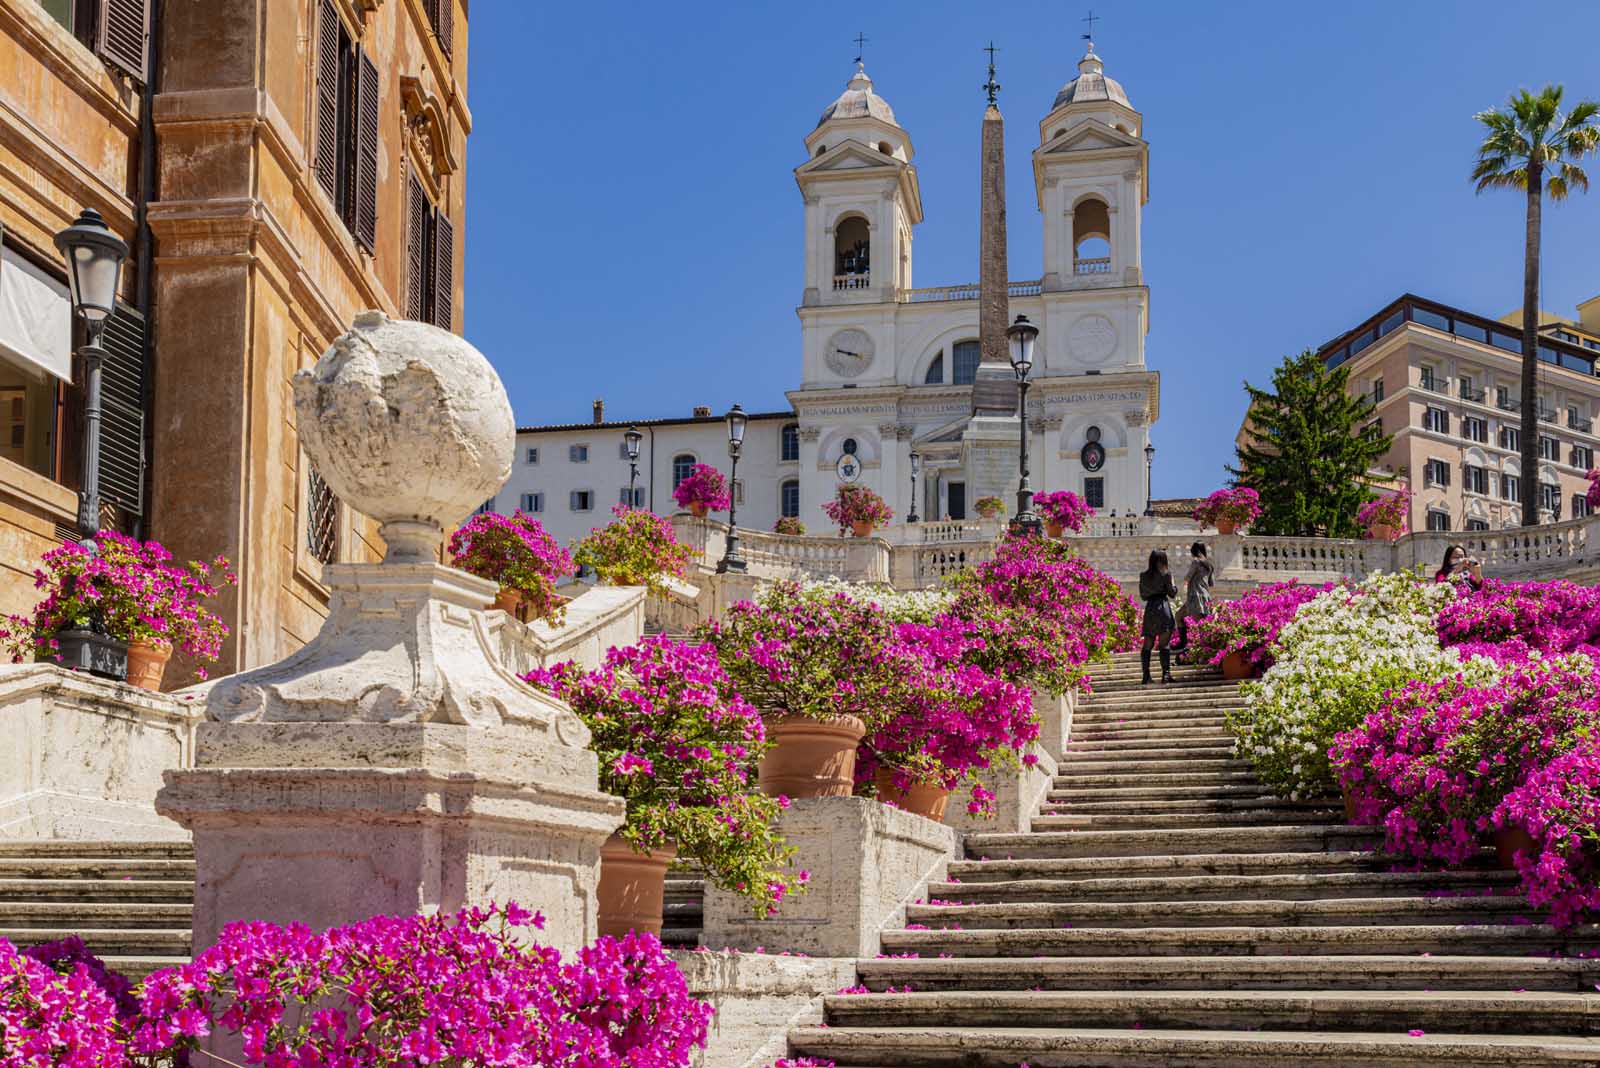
{"x":994,"y":391}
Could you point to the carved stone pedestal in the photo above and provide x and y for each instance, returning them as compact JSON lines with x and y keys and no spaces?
{"x":867,"y":862}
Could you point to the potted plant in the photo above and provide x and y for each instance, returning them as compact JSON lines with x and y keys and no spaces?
{"x":857,"y":509}
{"x":638,"y":548}
{"x":119,"y":609}
{"x":704,"y":490}
{"x":814,"y":664}
{"x":1061,"y":511}
{"x":681,"y":747}
{"x":515,"y":552}
{"x":789,"y":525}
{"x":1384,"y":517}
{"x":1229,"y":510}
{"x":989,"y":507}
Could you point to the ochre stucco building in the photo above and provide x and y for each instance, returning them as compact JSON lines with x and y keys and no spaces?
{"x":275,"y":166}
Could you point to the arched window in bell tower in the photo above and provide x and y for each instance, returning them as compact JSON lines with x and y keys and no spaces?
{"x":1091,"y":237}
{"x":852,"y":253}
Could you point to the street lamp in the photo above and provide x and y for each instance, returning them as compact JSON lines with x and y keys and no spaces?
{"x":731,"y":560}
{"x":94,"y":263}
{"x":1149,"y":465}
{"x":631,"y":438}
{"x":916,"y":466}
{"x":1021,"y":335}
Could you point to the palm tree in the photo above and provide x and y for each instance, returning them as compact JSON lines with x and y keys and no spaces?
{"x":1530,"y":146}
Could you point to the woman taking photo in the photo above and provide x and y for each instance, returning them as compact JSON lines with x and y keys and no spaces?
{"x":1156,"y":590}
{"x":1459,"y":567}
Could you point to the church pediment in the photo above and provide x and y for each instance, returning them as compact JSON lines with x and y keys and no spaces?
{"x":850,"y":156}
{"x":948,"y":434}
{"x":1089,"y":135}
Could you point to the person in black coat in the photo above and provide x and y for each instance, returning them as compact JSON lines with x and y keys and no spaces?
{"x":1156,"y":590}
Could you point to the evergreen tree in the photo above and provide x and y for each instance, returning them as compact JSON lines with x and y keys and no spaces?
{"x":1306,"y":452}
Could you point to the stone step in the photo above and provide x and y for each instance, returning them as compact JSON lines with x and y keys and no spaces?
{"x":946,"y":1047}
{"x":1108,"y":794}
{"x":1088,"y":780}
{"x":1173,"y":806}
{"x":68,"y":915}
{"x":1299,"y":887}
{"x":94,"y":889}
{"x":1199,"y":840}
{"x":981,"y":869}
{"x":1243,"y":817}
{"x":70,"y":847}
{"x":96,"y":868}
{"x":1145,"y":726}
{"x":1121,"y":765}
{"x":1458,"y":1011}
{"x":1137,"y":694}
{"x":137,"y":967}
{"x":1331,"y":972}
{"x":1518,"y":940}
{"x":1135,"y":705}
{"x":109,"y":942}
{"x":1135,"y":732}
{"x":1260,"y":912}
{"x":1075,"y":758}
{"x":1081,"y":745}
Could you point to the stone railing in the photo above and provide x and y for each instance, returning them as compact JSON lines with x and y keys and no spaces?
{"x":1553,"y":550}
{"x":1092,"y":265}
{"x":677,"y":611}
{"x":967,"y":292}
{"x":851,"y":281}
{"x":786,"y":556}
{"x":1319,"y":557}
{"x":596,"y":619}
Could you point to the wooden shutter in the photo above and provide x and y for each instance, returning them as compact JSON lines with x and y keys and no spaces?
{"x":122,"y":400}
{"x":445,"y":23}
{"x":417,"y":281}
{"x":366,"y":199}
{"x":444,"y":270}
{"x":124,"y":26}
{"x":326,"y":162}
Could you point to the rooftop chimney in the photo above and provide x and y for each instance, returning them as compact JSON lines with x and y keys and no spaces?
{"x":599,"y":411}
{"x":702,"y":411}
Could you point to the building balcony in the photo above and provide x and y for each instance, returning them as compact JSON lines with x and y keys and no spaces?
{"x":1476,"y":396}
{"x":851,"y":281}
{"x":1508,"y":405}
{"x":1547,"y":415}
{"x":1580,"y":424}
{"x":1095,"y":265}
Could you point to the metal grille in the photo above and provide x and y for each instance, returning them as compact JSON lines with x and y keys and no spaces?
{"x":322,"y":520}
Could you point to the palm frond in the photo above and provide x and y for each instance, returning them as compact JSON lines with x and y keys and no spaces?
{"x":1570,"y":176}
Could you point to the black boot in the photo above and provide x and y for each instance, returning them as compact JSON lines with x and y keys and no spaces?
{"x":1144,"y":658}
{"x":1166,"y":665}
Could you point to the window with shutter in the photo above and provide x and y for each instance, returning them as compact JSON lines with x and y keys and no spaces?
{"x":122,"y":403}
{"x":419,"y":222}
{"x":444,"y":268}
{"x":124,"y":27}
{"x":329,"y":30}
{"x":442,"y":13}
{"x":365,"y":229}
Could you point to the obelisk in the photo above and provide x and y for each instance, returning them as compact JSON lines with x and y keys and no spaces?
{"x":989,"y":445}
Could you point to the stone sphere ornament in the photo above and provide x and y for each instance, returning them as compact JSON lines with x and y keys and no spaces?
{"x":408,"y":424}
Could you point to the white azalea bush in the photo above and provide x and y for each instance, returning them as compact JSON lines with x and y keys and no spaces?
{"x":914,"y":606}
{"x":1333,"y":664}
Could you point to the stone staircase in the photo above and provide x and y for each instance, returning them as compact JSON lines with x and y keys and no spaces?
{"x":131,"y":902}
{"x":1166,"y":909}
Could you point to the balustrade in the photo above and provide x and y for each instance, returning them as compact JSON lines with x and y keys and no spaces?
{"x":1092,"y":265}
{"x":851,"y":281}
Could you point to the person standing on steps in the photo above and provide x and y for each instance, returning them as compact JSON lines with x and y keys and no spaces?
{"x":1196,"y":592}
{"x":1157,"y":590}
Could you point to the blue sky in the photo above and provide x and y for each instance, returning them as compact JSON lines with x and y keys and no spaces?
{"x":634,"y":230}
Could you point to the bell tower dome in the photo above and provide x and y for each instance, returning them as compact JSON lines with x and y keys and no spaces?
{"x":861,"y":198}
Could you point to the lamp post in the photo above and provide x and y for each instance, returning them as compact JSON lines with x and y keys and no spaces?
{"x":916,"y":466}
{"x":731,"y":559}
{"x":1021,"y":335}
{"x":94,"y":264}
{"x":631,"y":438}
{"x":1149,"y":466}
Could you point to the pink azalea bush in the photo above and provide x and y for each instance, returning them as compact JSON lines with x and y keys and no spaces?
{"x":135,"y":590}
{"x":678,"y":743}
{"x":1391,"y":510}
{"x":1592,"y":495}
{"x":1242,"y":505}
{"x":61,"y":1008}
{"x":1064,"y":507}
{"x":516,"y":552}
{"x":638,"y":548}
{"x":1559,"y":807}
{"x":1249,"y":624}
{"x":853,"y":504}
{"x":1510,"y":621}
{"x":705,"y":486}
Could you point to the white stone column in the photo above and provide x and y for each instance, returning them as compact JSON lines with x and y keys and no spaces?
{"x":395,"y":764}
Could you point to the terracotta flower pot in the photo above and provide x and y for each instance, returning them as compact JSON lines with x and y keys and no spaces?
{"x":861,"y":528}
{"x":507,"y":601}
{"x":1236,"y":666}
{"x":1508,"y":842}
{"x":146,"y":664}
{"x":1226,"y":525}
{"x":917,"y":799}
{"x":811,"y":757}
{"x":1382,"y":532}
{"x":1349,"y":803}
{"x":1053,"y":529}
{"x":632,"y":887}
{"x":697,"y":510}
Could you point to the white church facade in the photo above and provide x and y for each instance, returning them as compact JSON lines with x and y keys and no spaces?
{"x":886,"y":369}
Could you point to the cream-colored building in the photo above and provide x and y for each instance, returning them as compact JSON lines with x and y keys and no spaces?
{"x":1446,"y":384}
